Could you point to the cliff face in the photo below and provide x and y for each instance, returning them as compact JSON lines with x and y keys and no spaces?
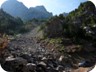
{"x":18,"y":9}
{"x":14,"y":8}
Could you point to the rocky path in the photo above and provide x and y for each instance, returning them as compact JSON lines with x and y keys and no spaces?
{"x":24,"y":54}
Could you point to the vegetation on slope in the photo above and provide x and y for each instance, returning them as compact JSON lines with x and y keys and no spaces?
{"x":9,"y":24}
{"x":3,"y":42}
{"x":77,"y":30}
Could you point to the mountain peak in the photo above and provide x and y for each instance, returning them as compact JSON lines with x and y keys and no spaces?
{"x":14,"y":8}
{"x":18,"y":9}
{"x":38,"y":8}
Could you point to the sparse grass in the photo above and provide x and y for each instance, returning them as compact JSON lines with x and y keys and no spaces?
{"x":55,"y":40}
{"x":3,"y":42}
{"x":61,"y":48}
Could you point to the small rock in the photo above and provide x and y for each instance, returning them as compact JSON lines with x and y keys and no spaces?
{"x":10,"y":57}
{"x":31,"y":64}
{"x":40,"y":57}
{"x":60,"y":68}
{"x":44,"y":58}
{"x":61,"y":58}
{"x":43,"y":64}
{"x":15,"y":63}
{"x":30,"y":67}
{"x":86,"y":64}
{"x":41,"y":67}
{"x":26,"y":56}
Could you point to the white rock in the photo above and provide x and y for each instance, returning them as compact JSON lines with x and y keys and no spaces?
{"x":42,"y":63}
{"x":81,"y":63}
{"x":44,"y":58}
{"x":61,"y":58}
{"x":31,"y":64}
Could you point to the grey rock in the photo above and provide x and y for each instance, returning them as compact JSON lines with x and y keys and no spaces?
{"x":30,"y":67}
{"x":42,"y":63}
{"x":14,"y":64}
{"x":60,"y":68}
{"x":61,"y":58}
{"x":41,"y":67}
{"x":44,"y":58}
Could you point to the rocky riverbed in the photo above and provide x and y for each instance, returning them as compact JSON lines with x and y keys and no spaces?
{"x":24,"y":54}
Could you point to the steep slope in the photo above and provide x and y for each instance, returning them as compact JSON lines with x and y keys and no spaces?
{"x":75,"y":32}
{"x":14,"y":8}
{"x":38,"y":12}
{"x":9,"y":24}
{"x":18,"y":9}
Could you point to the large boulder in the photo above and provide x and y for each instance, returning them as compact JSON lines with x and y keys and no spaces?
{"x":14,"y":64}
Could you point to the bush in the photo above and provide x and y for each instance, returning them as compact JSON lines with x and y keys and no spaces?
{"x":3,"y":42}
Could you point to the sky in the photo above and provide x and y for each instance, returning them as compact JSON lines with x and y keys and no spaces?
{"x":54,"y":6}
